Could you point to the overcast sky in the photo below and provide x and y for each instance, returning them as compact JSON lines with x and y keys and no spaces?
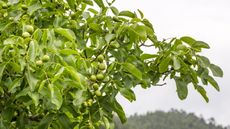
{"x":206,"y":20}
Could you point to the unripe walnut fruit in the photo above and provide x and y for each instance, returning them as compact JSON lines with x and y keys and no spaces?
{"x":95,"y":86}
{"x":39,"y":63}
{"x":101,"y":66}
{"x":29,"y":28}
{"x":100,"y":58}
{"x":25,"y":34}
{"x":100,"y":76}
{"x":93,"y":78}
{"x":98,"y":93}
{"x":45,"y":58}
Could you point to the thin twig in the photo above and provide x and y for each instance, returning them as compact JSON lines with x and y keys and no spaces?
{"x":143,"y":44}
{"x":160,"y":84}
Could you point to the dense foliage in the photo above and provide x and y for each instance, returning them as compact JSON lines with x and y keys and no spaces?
{"x":173,"y":119}
{"x":62,"y":62}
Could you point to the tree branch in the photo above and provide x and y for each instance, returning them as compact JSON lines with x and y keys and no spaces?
{"x":160,"y":84}
{"x":143,"y":44}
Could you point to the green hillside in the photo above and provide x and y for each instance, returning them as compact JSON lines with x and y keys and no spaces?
{"x":173,"y":119}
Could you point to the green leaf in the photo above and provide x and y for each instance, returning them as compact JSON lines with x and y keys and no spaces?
{"x":107,"y":124}
{"x":1,"y":52}
{"x":127,"y":14}
{"x":31,"y":79}
{"x":79,"y":98}
{"x":32,"y":51}
{"x":109,"y":37}
{"x":212,"y":81}
{"x":148,"y":24}
{"x":33,"y":8}
{"x":45,"y":122}
{"x":11,"y":2}
{"x":64,"y":121}
{"x":190,"y":41}
{"x":89,"y":52}
{"x":7,"y":113}
{"x":34,"y":97}
{"x":114,"y":10}
{"x":16,"y":83}
{"x":128,"y":94}
{"x":182,"y":89}
{"x":4,"y":26}
{"x":148,"y":56}
{"x":24,"y":92}
{"x":111,"y":67}
{"x":2,"y":68}
{"x":176,"y":63}
{"x":95,"y":27}
{"x":2,"y":126}
{"x":100,"y":3}
{"x":141,"y":13}
{"x":1,"y":90}
{"x":133,"y":70}
{"x":119,"y":110}
{"x":67,"y":33}
{"x":56,"y":96}
{"x":37,"y":35}
{"x":194,"y":76}
{"x":68,"y":52}
{"x":203,"y":61}
{"x":57,"y":75}
{"x":216,"y":70}
{"x":71,"y":4}
{"x":200,"y":44}
{"x":202,"y":91}
{"x":141,"y":31}
{"x":93,"y":11}
{"x":89,"y":2}
{"x":163,"y":67}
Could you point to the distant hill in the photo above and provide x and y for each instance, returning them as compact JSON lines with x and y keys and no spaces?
{"x":173,"y":119}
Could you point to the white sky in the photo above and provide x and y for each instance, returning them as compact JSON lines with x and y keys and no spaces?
{"x":206,"y":20}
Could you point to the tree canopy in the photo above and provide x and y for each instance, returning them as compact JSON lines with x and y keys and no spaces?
{"x":63,"y":62}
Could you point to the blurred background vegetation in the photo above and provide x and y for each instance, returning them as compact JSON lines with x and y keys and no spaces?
{"x":174,"y":119}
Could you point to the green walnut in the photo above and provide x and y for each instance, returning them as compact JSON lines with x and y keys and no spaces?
{"x":98,"y":93}
{"x":100,"y":58}
{"x":100,"y":76}
{"x":4,"y":6}
{"x":93,"y":78}
{"x":29,"y":28}
{"x":39,"y":63}
{"x":101,"y":66}
{"x":26,"y":34}
{"x":90,"y":102}
{"x":45,"y":58}
{"x":11,"y":18}
{"x":95,"y":86}
{"x":24,"y":7}
{"x":85,"y":104}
